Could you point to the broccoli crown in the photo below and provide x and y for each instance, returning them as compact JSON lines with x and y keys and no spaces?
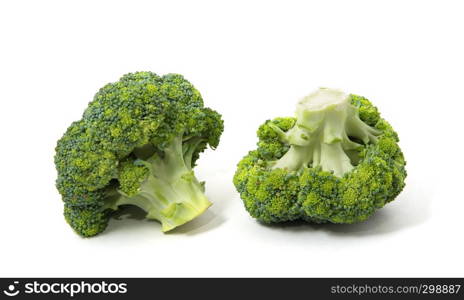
{"x":337,"y":161}
{"x":136,"y":144}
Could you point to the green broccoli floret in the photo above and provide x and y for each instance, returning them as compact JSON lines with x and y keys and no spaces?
{"x":337,"y":161}
{"x":136,"y":144}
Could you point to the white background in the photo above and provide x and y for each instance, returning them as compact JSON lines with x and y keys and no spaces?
{"x":252,"y":61}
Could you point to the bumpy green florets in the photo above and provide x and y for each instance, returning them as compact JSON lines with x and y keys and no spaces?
{"x":270,"y":145}
{"x":86,"y":220}
{"x":138,"y":118}
{"x":278,"y":194}
{"x":131,"y":175}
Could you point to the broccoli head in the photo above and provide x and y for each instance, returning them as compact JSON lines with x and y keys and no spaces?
{"x":136,"y":144}
{"x":337,"y":161}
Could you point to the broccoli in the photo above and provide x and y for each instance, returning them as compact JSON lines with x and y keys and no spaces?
{"x":136,"y":144}
{"x":337,"y":161}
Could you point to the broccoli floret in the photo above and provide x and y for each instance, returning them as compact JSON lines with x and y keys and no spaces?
{"x":136,"y":144}
{"x":337,"y":161}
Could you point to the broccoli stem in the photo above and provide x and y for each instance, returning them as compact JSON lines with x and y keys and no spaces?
{"x":171,"y":193}
{"x":189,"y":148}
{"x":323,"y":135}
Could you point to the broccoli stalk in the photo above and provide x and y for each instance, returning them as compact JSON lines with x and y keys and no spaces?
{"x":170,"y":192}
{"x":328,"y":134}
